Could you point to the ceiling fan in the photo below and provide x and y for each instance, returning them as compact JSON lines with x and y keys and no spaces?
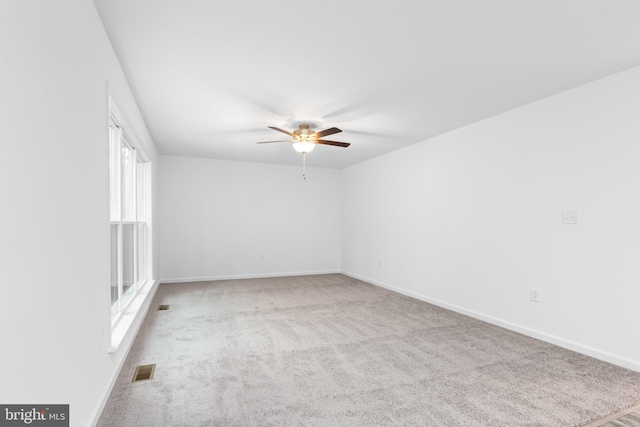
{"x":305,"y":139}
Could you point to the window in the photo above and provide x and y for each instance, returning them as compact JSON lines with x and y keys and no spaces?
{"x":129,"y":183}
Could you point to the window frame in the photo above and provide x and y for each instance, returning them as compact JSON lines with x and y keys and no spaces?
{"x":122,"y":136}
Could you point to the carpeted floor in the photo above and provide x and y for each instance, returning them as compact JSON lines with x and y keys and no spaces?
{"x":330,"y":350}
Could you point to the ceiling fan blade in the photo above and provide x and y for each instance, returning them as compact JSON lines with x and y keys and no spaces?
{"x":280,"y":130}
{"x":327,"y":132}
{"x":336,"y":143}
{"x":267,"y":142}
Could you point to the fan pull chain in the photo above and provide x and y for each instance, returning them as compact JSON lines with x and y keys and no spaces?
{"x":304,"y":166}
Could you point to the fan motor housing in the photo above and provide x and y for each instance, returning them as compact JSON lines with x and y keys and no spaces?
{"x":304,"y":133}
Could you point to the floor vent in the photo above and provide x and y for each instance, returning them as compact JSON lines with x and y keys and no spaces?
{"x":143,"y":373}
{"x":163,"y":307}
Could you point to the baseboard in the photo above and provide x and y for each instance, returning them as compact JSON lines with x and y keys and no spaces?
{"x":552,"y":339}
{"x":126,"y":347}
{"x":247,"y":276}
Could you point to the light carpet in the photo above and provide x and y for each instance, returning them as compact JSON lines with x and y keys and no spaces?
{"x":330,"y":350}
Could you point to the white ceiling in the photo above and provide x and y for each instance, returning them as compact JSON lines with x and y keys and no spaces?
{"x":210,"y":76}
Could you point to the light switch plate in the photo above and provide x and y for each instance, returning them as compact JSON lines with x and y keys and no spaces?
{"x":570,"y":216}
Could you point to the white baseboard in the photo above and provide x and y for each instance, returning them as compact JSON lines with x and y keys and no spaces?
{"x":560,"y":342}
{"x":125,"y":345}
{"x":247,"y":276}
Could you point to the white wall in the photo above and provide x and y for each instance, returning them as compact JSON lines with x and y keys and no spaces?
{"x":219,"y":217}
{"x":472,"y":219}
{"x":54,"y":251}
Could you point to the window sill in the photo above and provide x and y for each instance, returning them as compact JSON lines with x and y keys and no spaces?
{"x":134,"y":313}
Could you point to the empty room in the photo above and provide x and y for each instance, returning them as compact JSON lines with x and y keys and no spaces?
{"x":338,"y":213}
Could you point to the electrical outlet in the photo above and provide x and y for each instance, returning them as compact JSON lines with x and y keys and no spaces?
{"x":379,"y":263}
{"x":570,"y":216}
{"x":261,"y":257}
{"x":535,"y":295}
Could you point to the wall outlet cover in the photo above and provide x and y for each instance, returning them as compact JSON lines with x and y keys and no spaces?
{"x":535,"y":295}
{"x":570,"y":216}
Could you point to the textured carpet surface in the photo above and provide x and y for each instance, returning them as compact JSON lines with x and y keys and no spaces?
{"x":330,"y":350}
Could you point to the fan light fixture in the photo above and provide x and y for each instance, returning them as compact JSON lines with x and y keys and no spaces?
{"x":304,"y":147}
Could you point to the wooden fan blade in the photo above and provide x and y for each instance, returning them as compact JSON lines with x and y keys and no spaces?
{"x":336,"y":143}
{"x":280,"y":130}
{"x":327,"y":132}
{"x":267,"y":142}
